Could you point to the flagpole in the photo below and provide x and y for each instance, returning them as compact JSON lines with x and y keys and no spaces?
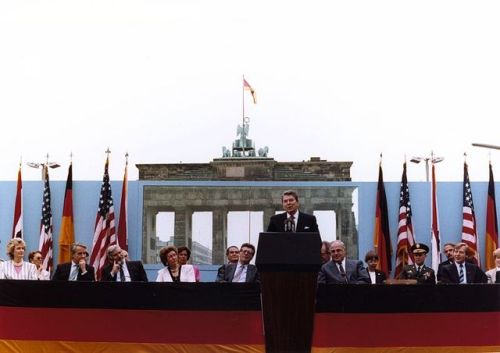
{"x":243,"y":100}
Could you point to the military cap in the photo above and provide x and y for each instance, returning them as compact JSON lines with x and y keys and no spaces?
{"x":419,"y":248}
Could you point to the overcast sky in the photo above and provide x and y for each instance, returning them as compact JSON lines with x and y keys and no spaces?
{"x":163,"y":80}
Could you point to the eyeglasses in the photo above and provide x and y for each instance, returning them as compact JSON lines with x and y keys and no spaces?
{"x":37,"y":258}
{"x":247,"y":252}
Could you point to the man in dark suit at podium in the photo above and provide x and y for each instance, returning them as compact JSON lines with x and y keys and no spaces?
{"x":292,"y":220}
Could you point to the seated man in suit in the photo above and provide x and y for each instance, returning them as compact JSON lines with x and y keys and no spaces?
{"x":232,"y":256}
{"x":242,"y":271}
{"x":341,"y":270}
{"x":375,"y":276}
{"x":418,"y":271}
{"x":461,"y":271}
{"x":77,"y":269}
{"x":120,"y":270}
{"x":292,"y":220}
{"x":448,"y":250}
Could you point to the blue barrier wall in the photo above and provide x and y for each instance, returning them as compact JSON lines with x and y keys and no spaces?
{"x":86,"y":198}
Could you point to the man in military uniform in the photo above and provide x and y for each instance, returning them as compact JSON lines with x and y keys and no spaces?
{"x":418,"y":271}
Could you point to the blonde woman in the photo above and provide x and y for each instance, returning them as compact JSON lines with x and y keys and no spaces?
{"x":16,"y":267}
{"x":492,"y":274}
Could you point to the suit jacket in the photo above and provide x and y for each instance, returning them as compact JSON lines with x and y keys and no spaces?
{"x":440,"y":268}
{"x":354,"y":270}
{"x":63,"y":270}
{"x":186,"y":274}
{"x":473,"y":273}
{"x":426,"y":275}
{"x":380,"y":277}
{"x":227,"y":273}
{"x":306,"y":223}
{"x":135,"y":269}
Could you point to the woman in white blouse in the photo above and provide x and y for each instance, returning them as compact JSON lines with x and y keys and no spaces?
{"x":16,"y":267}
{"x":36,"y":258}
{"x":173,"y":271}
{"x":492,"y":274}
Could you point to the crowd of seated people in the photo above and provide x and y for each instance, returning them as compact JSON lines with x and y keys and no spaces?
{"x":336,"y":268}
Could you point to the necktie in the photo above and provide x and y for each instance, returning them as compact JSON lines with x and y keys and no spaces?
{"x":238,"y":274}
{"x":418,"y":270}
{"x":461,"y":277}
{"x":342,"y":272}
{"x":122,"y":274}
{"x":74,"y":273}
{"x":292,"y":222}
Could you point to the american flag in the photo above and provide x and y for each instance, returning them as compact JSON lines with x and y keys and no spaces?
{"x":104,"y":233}
{"x":17,"y":224}
{"x":45,"y":245}
{"x":435,"y":239}
{"x":469,"y":231}
{"x":406,"y":237}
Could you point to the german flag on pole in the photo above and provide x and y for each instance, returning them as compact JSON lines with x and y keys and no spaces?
{"x":382,"y":237}
{"x":67,"y":234}
{"x":491,"y":242}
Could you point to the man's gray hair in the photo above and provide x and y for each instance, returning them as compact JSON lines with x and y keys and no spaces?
{"x":337,"y":243}
{"x":112,"y":249}
{"x":77,"y":245}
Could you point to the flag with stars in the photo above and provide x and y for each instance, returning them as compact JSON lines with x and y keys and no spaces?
{"x":469,"y":226}
{"x":104,"y":233}
{"x":45,"y":245}
{"x":406,"y":236}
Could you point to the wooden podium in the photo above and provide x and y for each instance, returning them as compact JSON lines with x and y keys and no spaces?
{"x":288,"y":265}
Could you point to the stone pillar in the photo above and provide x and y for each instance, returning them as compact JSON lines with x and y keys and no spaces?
{"x":219,"y":235}
{"x":183,"y":226}
{"x":149,"y":244}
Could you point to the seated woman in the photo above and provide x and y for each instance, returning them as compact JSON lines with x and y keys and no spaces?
{"x":35,"y":257}
{"x":492,"y":274}
{"x":173,"y":271}
{"x":184,"y":254}
{"x":16,"y":267}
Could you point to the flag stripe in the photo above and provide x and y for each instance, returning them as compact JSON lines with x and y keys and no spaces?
{"x":469,"y":226}
{"x":382,"y":237}
{"x":17,"y":225}
{"x":491,"y":241}
{"x":67,"y":232}
{"x":45,"y":244}
{"x":435,"y":238}
{"x":406,"y":237}
{"x":104,"y":231}
{"x":122,"y":223}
